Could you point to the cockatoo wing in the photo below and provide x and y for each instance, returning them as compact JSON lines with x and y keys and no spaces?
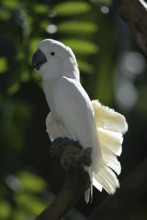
{"x":75,"y":112}
{"x":54,"y":128}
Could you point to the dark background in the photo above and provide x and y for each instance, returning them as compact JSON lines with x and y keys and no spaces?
{"x":113,"y":70}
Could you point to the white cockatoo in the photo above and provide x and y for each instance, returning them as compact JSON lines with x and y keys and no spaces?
{"x":73,"y":115}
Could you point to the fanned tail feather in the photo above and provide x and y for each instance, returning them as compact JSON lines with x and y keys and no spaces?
{"x":110,"y":127}
{"x":89,"y":192}
{"x":108,"y":119}
{"x":106,"y":178}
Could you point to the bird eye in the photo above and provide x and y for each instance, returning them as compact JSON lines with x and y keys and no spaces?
{"x":52,"y":53}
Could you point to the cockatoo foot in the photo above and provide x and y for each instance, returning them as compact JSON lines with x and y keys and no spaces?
{"x":59,"y":143}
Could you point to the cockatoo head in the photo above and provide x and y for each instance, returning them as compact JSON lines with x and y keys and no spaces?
{"x":54,"y":59}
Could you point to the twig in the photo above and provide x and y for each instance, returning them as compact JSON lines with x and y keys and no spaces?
{"x":77,"y":180}
{"x":134,"y":13}
{"x":114,"y":207}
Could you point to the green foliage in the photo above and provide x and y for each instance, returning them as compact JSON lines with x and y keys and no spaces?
{"x":26,"y":199}
{"x":81,"y":47}
{"x":26,"y":202}
{"x":3,"y":65}
{"x":23,"y":142}
{"x":26,"y":188}
{"x":72,"y":8}
{"x":106,"y":2}
{"x":78,"y":27}
{"x":14,"y":117}
{"x":31,"y":182}
{"x":5,"y":209}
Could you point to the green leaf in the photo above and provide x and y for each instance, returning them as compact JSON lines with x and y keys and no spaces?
{"x":13,"y":88}
{"x":20,"y":214}
{"x":43,"y":24}
{"x":25,"y":76}
{"x":32,"y":182}
{"x":85,"y":67}
{"x":3,"y":65}
{"x":72,"y":8}
{"x":77,"y":27}
{"x":10,"y":4}
{"x":34,"y":44}
{"x":81,"y":46}
{"x":29,"y":203}
{"x":106,"y":2}
{"x":5,"y":210}
{"x":4,"y":14}
{"x":41,"y":8}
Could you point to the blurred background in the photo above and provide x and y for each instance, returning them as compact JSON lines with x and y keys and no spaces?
{"x":113,"y":70}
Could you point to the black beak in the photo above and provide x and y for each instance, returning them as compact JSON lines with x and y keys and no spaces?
{"x":38,"y":59}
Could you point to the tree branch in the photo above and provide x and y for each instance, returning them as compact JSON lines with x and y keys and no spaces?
{"x":134,"y":13}
{"x":120,"y":202}
{"x":73,"y":160}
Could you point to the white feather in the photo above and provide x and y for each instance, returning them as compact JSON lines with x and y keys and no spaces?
{"x":107,"y":179}
{"x":109,"y":119}
{"x":111,"y":140}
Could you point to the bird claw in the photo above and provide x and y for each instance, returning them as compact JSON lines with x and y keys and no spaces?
{"x":59,"y":143}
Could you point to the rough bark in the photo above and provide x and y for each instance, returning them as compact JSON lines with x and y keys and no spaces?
{"x":134,"y":13}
